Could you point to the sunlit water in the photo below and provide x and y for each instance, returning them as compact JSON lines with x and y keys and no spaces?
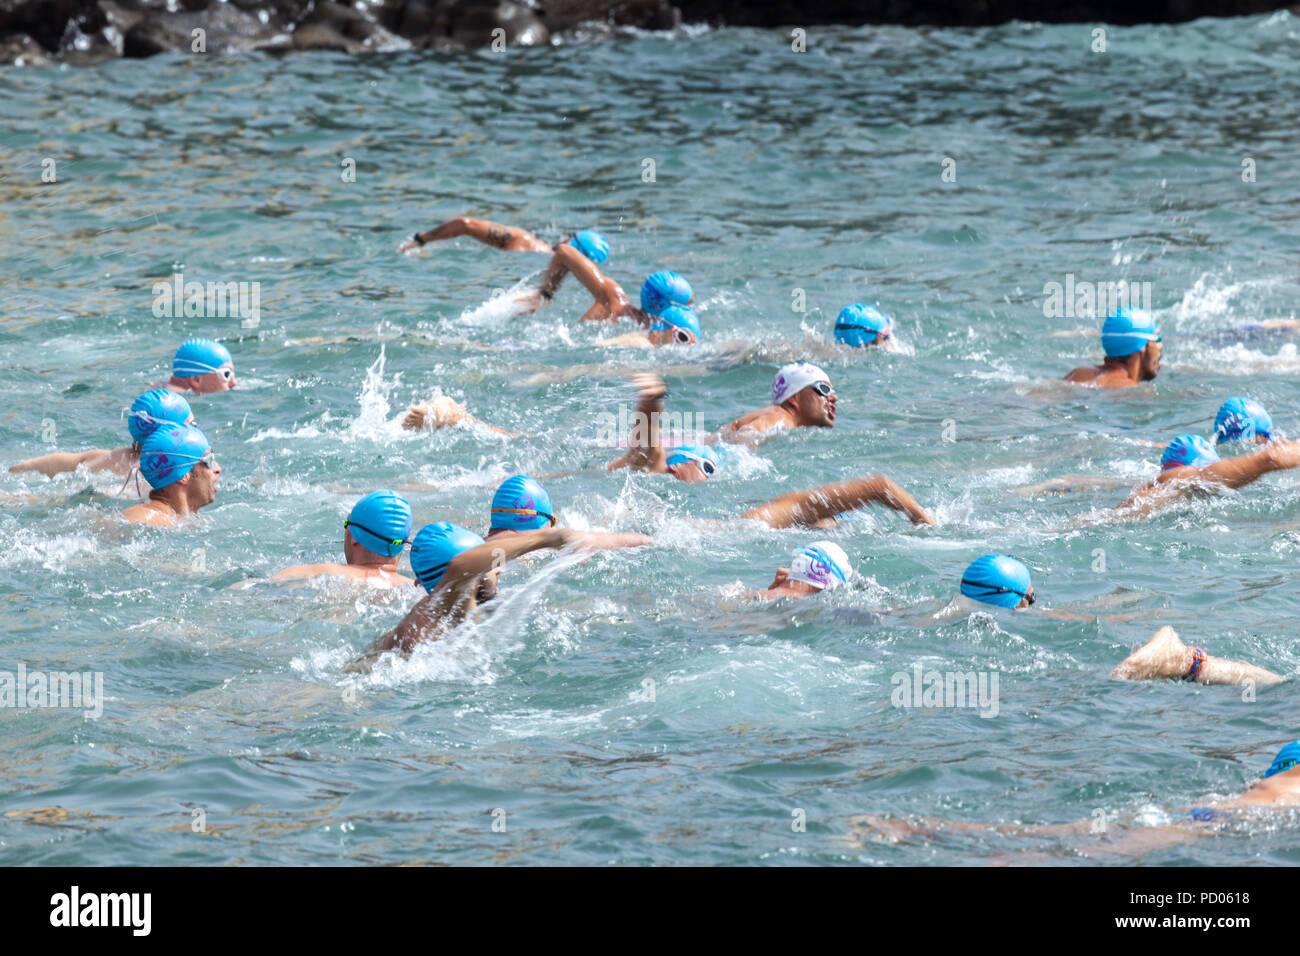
{"x":633,"y":708}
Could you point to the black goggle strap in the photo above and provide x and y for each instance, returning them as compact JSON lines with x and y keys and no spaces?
{"x":990,"y":589}
{"x":399,"y":542}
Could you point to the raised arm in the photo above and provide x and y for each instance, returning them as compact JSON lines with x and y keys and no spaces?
{"x":645,"y":452}
{"x":608,"y":294}
{"x":1242,"y":470}
{"x":816,"y":504}
{"x":506,"y":238}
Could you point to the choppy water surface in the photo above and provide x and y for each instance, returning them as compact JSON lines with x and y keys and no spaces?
{"x":774,"y":172}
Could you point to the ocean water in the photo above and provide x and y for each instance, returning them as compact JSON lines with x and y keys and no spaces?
{"x":634,"y":707}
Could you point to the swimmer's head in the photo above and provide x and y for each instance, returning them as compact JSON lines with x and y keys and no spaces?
{"x":205,"y":365}
{"x":1133,"y":332}
{"x":693,"y":463}
{"x":435,"y":546}
{"x":684,"y":324}
{"x":158,"y":406}
{"x":171,"y":452}
{"x":1286,"y":758}
{"x":380,"y":522}
{"x":592,"y":245}
{"x":861,"y":325}
{"x":998,"y":580}
{"x":663,"y":289}
{"x":1188,"y":451}
{"x":522,"y":504}
{"x":809,"y":391}
{"x":823,"y":564}
{"x":1242,"y":419}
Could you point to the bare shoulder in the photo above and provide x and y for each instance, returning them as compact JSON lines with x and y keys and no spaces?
{"x":143,"y":514}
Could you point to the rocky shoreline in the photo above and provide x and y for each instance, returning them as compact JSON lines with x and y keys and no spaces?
{"x":80,"y":32}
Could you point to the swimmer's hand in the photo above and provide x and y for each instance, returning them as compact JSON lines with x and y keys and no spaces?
{"x":410,"y":245}
{"x":604,"y":540}
{"x":650,"y":388}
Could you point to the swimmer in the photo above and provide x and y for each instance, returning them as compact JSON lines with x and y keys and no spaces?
{"x":802,"y":397}
{"x":1279,"y":789}
{"x":374,"y":536}
{"x":1132,"y":345}
{"x":1165,"y":657}
{"x":202,"y":366}
{"x":520,"y":505}
{"x":675,"y":325}
{"x":860,"y":326}
{"x":998,"y":580}
{"x":690,"y":463}
{"x":444,"y":411}
{"x":449,"y":561}
{"x":167,"y":460}
{"x":155,"y":407}
{"x":1243,"y":419}
{"x":814,"y":568}
{"x":1190,"y":464}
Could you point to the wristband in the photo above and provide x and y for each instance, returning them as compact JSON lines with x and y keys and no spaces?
{"x":1198,"y":659}
{"x":418,"y":240}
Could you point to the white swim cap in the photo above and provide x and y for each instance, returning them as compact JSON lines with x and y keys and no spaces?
{"x":823,"y":564}
{"x":794,"y":378}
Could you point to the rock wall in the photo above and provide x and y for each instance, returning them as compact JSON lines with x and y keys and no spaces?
{"x":38,"y":32}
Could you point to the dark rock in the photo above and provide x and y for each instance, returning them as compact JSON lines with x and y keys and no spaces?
{"x":350,"y":24}
{"x":22,"y":50}
{"x":646,"y":14}
{"x":225,"y":29}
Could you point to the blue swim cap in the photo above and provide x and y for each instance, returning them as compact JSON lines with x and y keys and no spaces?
{"x":996,"y":579}
{"x":1188,"y":451}
{"x":170,"y":453}
{"x":199,"y":357}
{"x":381,"y":522}
{"x":677,"y":316}
{"x":705,"y":456}
{"x":592,"y":245}
{"x":1242,"y":418}
{"x":435,"y":546}
{"x":1127,"y":331}
{"x":1286,"y":758}
{"x":522,"y":504}
{"x":156,"y":407}
{"x":858,"y":325}
{"x":664,"y":289}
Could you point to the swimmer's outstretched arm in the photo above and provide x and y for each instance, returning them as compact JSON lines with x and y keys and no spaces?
{"x":60,"y":462}
{"x":506,"y":238}
{"x":1229,"y":472}
{"x":1167,"y":657}
{"x":645,"y":453}
{"x":454,"y":597}
{"x":443,"y":411}
{"x":817,"y":504}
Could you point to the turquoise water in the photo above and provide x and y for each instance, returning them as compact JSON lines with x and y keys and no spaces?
{"x":774,"y":172}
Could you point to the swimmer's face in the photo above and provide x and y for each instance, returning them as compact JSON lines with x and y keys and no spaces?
{"x":201,"y":483}
{"x":814,"y":408}
{"x":222,"y":380}
{"x":1027,"y":600}
{"x":1150,"y":365}
{"x":688,"y":471}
